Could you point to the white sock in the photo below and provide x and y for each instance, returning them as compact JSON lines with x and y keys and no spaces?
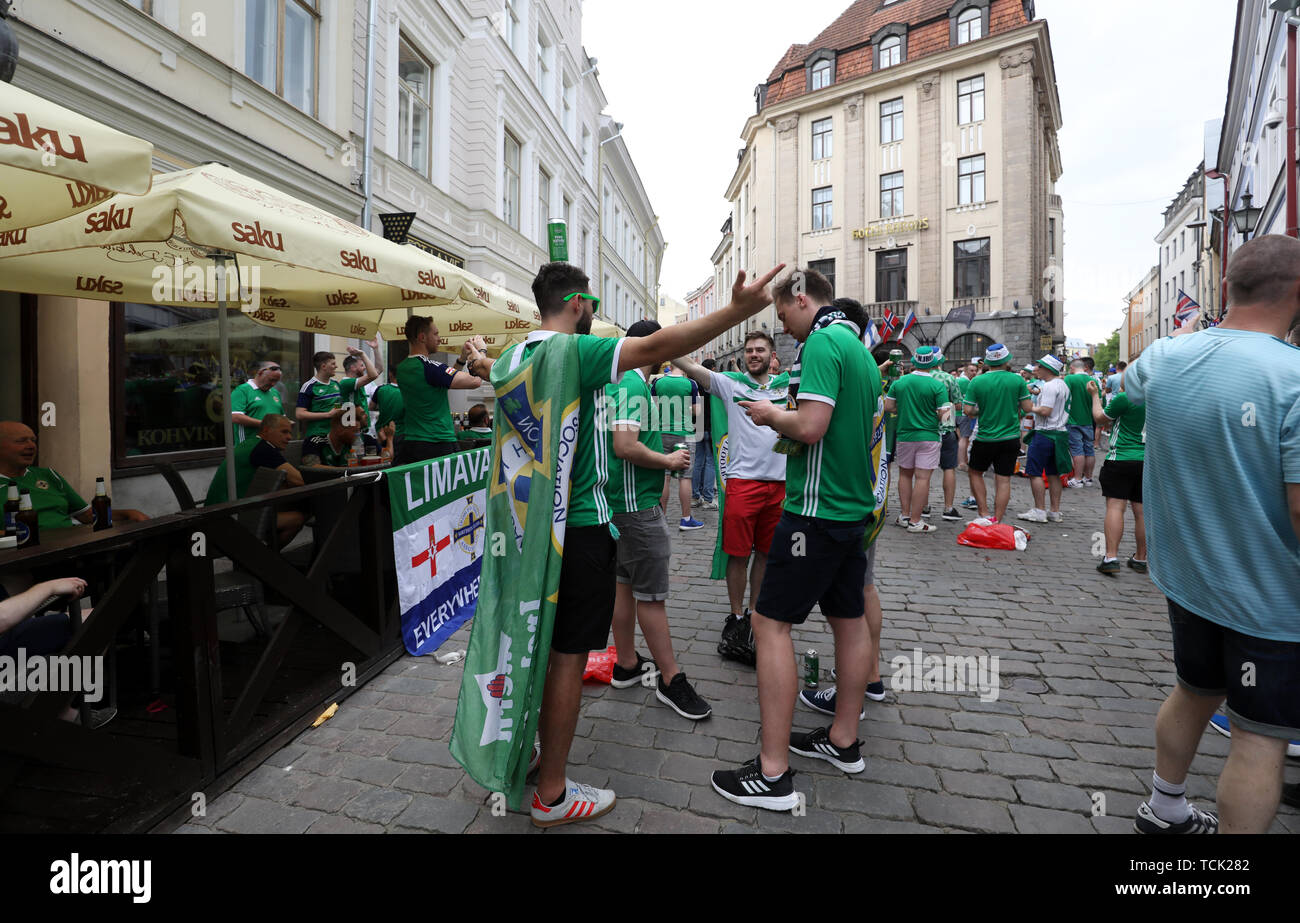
{"x":1168,"y":801}
{"x":767,"y":778}
{"x":1108,"y":560}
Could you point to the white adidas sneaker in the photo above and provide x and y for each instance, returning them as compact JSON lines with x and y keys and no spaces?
{"x":581,"y":802}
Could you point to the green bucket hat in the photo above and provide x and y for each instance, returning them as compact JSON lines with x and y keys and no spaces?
{"x":927,"y":357}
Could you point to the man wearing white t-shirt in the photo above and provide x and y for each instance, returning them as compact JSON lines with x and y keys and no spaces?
{"x":1049,"y":450}
{"x":754,"y":478}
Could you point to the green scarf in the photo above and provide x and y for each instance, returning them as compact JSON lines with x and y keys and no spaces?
{"x":536,"y":427}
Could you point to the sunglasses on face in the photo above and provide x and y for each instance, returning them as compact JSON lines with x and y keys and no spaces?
{"x":595,"y":302}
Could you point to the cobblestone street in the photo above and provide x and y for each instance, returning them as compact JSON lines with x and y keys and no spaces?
{"x":1085,"y":661}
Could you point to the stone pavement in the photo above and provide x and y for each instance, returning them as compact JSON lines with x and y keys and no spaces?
{"x":1085,"y":661}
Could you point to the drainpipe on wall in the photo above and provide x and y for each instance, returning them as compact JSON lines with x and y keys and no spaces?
{"x":369,"y":132}
{"x":1292,"y":206}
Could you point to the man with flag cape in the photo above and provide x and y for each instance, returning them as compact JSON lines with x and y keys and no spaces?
{"x":546,"y":594}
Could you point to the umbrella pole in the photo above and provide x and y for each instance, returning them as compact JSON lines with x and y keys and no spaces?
{"x":223,"y":332}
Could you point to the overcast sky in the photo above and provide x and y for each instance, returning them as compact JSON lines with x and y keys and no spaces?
{"x":680,"y":75}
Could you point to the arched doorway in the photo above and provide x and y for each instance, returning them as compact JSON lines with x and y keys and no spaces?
{"x":959,"y":351}
{"x":881,"y":352}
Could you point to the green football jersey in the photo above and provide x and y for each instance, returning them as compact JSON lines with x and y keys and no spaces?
{"x":997,"y":396}
{"x":832,"y":478}
{"x":1128,"y":440}
{"x":424,"y":383}
{"x":252,"y":401}
{"x":918,"y":396}
{"x":628,"y":487}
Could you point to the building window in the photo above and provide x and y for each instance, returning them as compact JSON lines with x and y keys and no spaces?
{"x":820,"y":76}
{"x":1051,"y":236}
{"x":821,"y":210}
{"x":567,"y":103}
{"x":821,"y":139}
{"x":511,"y":23}
{"x":891,"y":52}
{"x":891,"y":275}
{"x":970,"y":26}
{"x":414,"y":107}
{"x":970,"y":100}
{"x":281,"y":46}
{"x":168,"y":378}
{"x":510,"y":186}
{"x":971,"y":277}
{"x":891,"y":195}
{"x":545,"y":77}
{"x":891,"y":121}
{"x":826,"y":268}
{"x":543,"y":203}
{"x":970,"y":180}
{"x":144,"y":6}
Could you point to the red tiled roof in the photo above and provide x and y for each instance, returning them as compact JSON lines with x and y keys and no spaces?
{"x":927,"y":22}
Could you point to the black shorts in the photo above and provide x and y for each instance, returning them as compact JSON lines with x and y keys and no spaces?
{"x":412,"y":451}
{"x":814,"y":561}
{"x":1121,"y":480}
{"x":586,"y":605}
{"x":948,"y":452}
{"x":1000,"y":456}
{"x":1213,"y":660}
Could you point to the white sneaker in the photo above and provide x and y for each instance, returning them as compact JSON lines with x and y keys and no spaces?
{"x":902,"y":521}
{"x":922,"y":527}
{"x":1034,"y":515}
{"x":581,"y":802}
{"x":1056,"y":517}
{"x":1087,"y":482}
{"x":709,"y":505}
{"x":1074,"y":483}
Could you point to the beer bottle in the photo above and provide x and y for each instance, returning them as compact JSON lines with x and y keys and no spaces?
{"x":29,"y":527}
{"x":101,"y":508}
{"x":11,"y":511}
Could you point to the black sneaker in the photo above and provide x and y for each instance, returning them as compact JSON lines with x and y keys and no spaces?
{"x":875,"y":692}
{"x":747,"y":786}
{"x":823,"y":700}
{"x":682,"y":698}
{"x":622,"y":679}
{"x":1197,"y":822}
{"x":817,"y":744}
{"x":738,"y":640}
{"x":951,"y":514}
{"x":925,"y":513}
{"x":1291,"y":794}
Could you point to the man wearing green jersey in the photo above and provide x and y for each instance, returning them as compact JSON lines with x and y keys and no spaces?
{"x":321,"y":398}
{"x":636,"y":472}
{"x":676,"y":400}
{"x":588,"y":577}
{"x":1081,"y":427}
{"x":1121,"y":475}
{"x":997,"y":399}
{"x":817,"y":555}
{"x":428,"y":431}
{"x":252,"y":401}
{"x":921,"y":402}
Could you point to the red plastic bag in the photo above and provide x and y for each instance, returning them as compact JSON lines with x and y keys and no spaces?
{"x":600,"y":666}
{"x":999,"y":536}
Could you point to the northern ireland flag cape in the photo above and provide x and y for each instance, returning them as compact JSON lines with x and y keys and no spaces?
{"x":505,"y":670}
{"x":438,"y":537}
{"x":776,"y":391}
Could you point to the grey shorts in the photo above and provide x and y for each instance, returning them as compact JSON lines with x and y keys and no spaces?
{"x":670,"y":440}
{"x":645,"y":547}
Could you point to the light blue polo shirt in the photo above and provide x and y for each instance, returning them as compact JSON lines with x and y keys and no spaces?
{"x":1223,"y":441}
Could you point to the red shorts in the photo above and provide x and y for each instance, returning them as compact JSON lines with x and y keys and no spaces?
{"x":750,"y":515}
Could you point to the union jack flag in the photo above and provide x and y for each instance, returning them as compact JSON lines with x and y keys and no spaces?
{"x":1185,"y":310}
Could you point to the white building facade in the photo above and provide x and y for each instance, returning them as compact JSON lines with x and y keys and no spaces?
{"x":1181,"y":254}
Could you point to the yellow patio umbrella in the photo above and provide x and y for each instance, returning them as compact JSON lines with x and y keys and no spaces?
{"x":55,"y":162}
{"x":173,"y":246}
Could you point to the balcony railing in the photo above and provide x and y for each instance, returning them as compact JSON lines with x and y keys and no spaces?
{"x":983,"y":305}
{"x":876,"y":309}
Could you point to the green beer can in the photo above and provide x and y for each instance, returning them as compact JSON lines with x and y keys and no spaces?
{"x":557,"y":235}
{"x":812,"y":669}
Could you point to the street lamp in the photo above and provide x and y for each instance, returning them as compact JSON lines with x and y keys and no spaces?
{"x":1246,"y":218}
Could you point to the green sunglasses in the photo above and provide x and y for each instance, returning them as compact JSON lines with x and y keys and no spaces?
{"x":592,"y":298}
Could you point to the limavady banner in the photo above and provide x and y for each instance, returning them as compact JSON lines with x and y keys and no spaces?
{"x":439,"y":529}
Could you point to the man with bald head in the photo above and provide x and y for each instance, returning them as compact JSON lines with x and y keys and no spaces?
{"x":1222,"y":504}
{"x":57,"y":505}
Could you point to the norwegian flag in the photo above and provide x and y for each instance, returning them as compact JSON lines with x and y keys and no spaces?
{"x":908,"y":324}
{"x":889,"y":323}
{"x":1185,"y":310}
